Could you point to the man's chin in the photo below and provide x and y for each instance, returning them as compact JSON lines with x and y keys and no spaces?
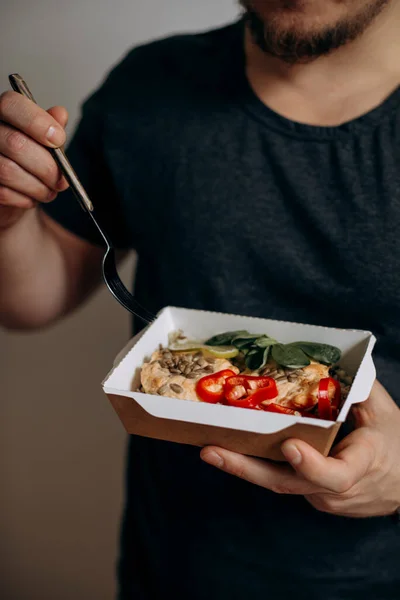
{"x":294,"y":45}
{"x":295,"y":36}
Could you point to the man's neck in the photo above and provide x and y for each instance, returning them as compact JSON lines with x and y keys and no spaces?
{"x":336,"y":88}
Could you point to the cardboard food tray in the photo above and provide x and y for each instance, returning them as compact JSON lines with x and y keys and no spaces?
{"x":250,"y":432}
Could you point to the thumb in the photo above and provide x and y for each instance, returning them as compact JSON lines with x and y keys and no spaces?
{"x":60,"y":114}
{"x":334,"y":473}
{"x":376,"y":409}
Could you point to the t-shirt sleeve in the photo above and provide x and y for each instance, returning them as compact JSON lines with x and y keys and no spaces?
{"x":88,"y":158}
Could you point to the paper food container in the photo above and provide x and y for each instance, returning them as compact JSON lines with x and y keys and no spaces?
{"x":246,"y":431}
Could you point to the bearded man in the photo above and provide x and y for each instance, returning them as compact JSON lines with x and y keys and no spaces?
{"x":255,"y":170}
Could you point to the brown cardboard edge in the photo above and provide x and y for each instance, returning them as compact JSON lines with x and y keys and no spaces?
{"x":139,"y":422}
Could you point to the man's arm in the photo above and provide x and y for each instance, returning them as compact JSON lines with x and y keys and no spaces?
{"x":45,"y":271}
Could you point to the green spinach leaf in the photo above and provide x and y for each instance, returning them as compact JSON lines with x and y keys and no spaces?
{"x":323,"y":353}
{"x":225,"y":339}
{"x":289,"y":356}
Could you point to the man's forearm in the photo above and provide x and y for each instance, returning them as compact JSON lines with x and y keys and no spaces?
{"x":44,"y":272}
{"x":31,"y":274}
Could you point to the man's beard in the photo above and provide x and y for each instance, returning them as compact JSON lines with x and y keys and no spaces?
{"x":294,"y":46}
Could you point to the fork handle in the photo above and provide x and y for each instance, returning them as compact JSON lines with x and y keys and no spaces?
{"x":20,"y":86}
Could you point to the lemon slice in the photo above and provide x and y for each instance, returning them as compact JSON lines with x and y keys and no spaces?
{"x":215,"y":351}
{"x":221,"y":351}
{"x":185,"y":346}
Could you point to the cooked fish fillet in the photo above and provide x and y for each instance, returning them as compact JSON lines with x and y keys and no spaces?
{"x":303,"y":392}
{"x":157,"y":380}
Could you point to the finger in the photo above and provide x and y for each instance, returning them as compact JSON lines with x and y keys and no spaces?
{"x":26,"y":116}
{"x":31,"y":156}
{"x":336,"y":474}
{"x":60,"y":114}
{"x":10,"y":199}
{"x":280,"y":479}
{"x":16,"y":178}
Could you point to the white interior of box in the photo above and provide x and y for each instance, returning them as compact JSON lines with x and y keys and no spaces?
{"x":356,"y":347}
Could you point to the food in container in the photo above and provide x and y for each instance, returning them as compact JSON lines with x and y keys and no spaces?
{"x":254,"y":432}
{"x":249,"y":370}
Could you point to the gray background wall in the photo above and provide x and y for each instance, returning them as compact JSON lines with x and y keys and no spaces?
{"x":61,"y":445}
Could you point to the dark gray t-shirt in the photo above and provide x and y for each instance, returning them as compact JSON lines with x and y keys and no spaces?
{"x":236,"y":209}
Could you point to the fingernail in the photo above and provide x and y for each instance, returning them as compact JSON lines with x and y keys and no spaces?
{"x":54,"y":136}
{"x":52,"y":196}
{"x":292,"y":454}
{"x":214,"y":459}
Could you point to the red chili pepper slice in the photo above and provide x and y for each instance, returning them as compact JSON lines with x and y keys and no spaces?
{"x":266,"y":393}
{"x":328,"y":409}
{"x":235,"y":393}
{"x":211,"y":387}
{"x":335,"y":413}
{"x":277,"y":408}
{"x":256,"y":383}
{"x":246,"y":402}
{"x":236,"y":389}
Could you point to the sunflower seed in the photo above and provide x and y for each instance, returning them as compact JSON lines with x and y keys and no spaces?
{"x":273,"y":373}
{"x":202,"y":362}
{"x":175,"y":371}
{"x":163,"y":389}
{"x":163,"y":365}
{"x":187,"y":370}
{"x":197,"y":367}
{"x":292,"y":378}
{"x":169,"y":363}
{"x":198,"y":355}
{"x":265,"y":370}
{"x":211,"y":361}
{"x":281,"y":378}
{"x":208,"y":369}
{"x":192,"y":375}
{"x":176,"y":388}
{"x":167,"y":355}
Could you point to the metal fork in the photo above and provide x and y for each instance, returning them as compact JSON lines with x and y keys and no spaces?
{"x":109,"y":268}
